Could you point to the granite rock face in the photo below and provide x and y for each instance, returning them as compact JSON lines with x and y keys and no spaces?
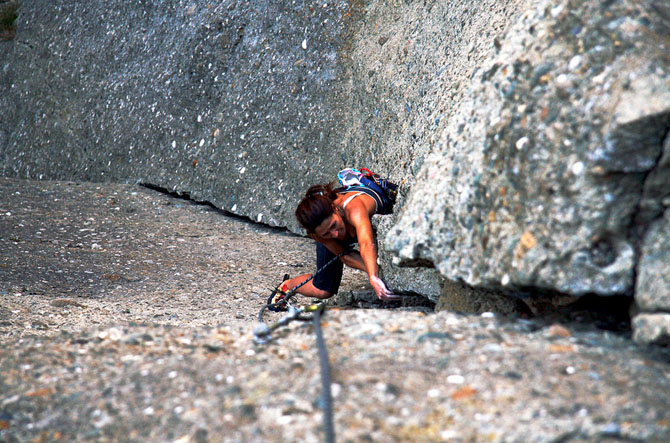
{"x":538,"y":177}
{"x":448,"y":295}
{"x":652,"y":328}
{"x":240,"y":105}
{"x":653,"y":282}
{"x":237,"y":103}
{"x":528,"y":136}
{"x":652,"y":290}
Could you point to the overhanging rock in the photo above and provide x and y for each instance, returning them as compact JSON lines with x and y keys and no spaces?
{"x":538,"y":176}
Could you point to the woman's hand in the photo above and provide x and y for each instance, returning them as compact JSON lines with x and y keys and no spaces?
{"x":380,"y":289}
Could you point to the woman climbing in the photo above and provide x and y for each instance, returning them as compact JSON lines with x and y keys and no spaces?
{"x":336,"y":219}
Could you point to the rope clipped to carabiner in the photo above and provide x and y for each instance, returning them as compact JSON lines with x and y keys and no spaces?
{"x":263,"y":335}
{"x":293,"y":291}
{"x":263,"y":332}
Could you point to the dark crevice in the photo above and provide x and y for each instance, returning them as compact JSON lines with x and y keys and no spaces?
{"x":607,"y":312}
{"x":185,"y":195}
{"x":8,"y":16}
{"x":642,"y":219}
{"x":612,"y":313}
{"x":416,"y":263}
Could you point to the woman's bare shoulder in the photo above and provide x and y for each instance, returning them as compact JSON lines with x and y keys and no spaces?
{"x":362,"y":202}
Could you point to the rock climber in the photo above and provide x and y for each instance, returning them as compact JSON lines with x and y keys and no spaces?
{"x":336,"y":219}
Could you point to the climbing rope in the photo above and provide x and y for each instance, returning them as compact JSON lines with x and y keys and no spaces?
{"x":263,"y":334}
{"x":326,"y":395}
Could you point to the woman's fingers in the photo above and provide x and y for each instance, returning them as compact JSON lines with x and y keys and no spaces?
{"x":390,"y":296}
{"x":381,"y":290}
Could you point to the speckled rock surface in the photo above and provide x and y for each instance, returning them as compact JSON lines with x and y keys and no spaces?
{"x":652,"y":328}
{"x":448,"y":295}
{"x":653,"y":282}
{"x":538,"y":176}
{"x":243,"y":105}
{"x":529,"y":134}
{"x":240,"y":105}
{"x":652,"y":291}
{"x":127,"y":315}
{"x":236,"y":103}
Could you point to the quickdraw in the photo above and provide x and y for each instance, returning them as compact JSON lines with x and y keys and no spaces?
{"x":263,"y":332}
{"x":293,"y":291}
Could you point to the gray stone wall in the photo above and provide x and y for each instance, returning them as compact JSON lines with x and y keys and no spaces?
{"x":239,"y":103}
{"x":548,"y":174}
{"x":528,"y":135}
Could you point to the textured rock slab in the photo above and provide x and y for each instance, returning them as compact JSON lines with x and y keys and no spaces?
{"x":652,"y":328}
{"x":537,"y":177}
{"x":652,"y":291}
{"x":240,"y":104}
{"x":543,"y":119}
{"x":148,"y":337}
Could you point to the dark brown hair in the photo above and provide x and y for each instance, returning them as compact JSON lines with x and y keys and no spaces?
{"x":316,"y":206}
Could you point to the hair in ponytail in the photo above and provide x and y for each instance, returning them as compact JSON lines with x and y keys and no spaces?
{"x":316,"y":206}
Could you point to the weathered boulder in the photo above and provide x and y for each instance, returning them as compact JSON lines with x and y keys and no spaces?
{"x":447,"y":294}
{"x":652,"y":328}
{"x":539,"y":173}
{"x":652,"y":290}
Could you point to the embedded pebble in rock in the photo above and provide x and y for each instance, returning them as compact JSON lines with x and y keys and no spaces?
{"x":152,"y":341}
{"x":455,"y":379}
{"x":558,"y":331}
